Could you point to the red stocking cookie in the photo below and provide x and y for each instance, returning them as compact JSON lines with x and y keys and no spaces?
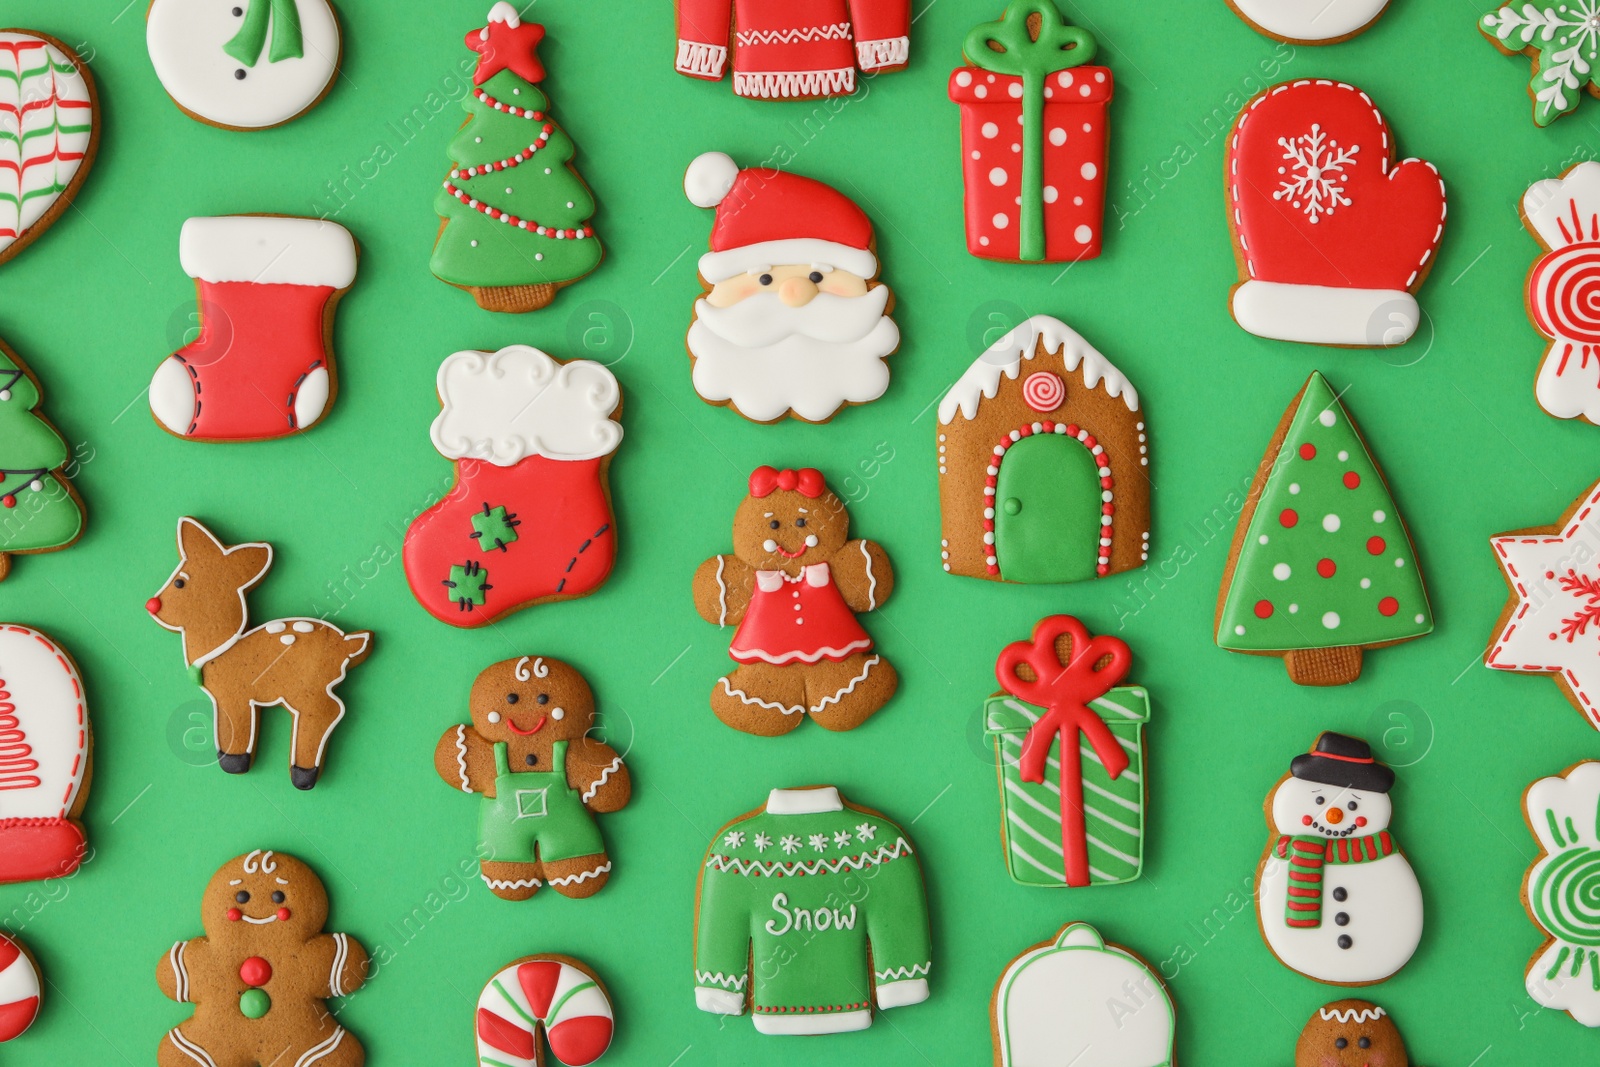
{"x":792,"y":586}
{"x":259,"y":977}
{"x":44,"y":757}
{"x":550,"y":994}
{"x":20,"y":988}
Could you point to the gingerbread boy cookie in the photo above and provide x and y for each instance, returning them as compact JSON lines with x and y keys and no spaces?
{"x":1350,"y":1033}
{"x":528,"y":754}
{"x":792,"y":586}
{"x":260,"y":975}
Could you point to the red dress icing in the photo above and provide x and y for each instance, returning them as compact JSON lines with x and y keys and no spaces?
{"x":802,"y":619}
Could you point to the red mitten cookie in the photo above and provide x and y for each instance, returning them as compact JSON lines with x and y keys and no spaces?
{"x":45,"y":758}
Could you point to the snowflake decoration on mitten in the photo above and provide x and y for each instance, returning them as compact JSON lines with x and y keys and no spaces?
{"x":1564,"y":41}
{"x":1315,"y":177}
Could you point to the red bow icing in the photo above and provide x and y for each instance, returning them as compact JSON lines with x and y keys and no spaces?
{"x":1065,"y":693}
{"x":808,"y":480}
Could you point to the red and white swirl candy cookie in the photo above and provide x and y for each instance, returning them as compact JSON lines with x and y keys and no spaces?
{"x":1563,"y":214}
{"x":19,"y":989}
{"x":555,"y":994}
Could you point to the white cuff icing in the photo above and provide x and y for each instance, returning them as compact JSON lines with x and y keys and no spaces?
{"x":505,"y":406}
{"x":701,"y":60}
{"x":1325,"y":314}
{"x":718,"y":1001}
{"x":887,"y":52}
{"x":268,"y":250}
{"x":899,"y":994}
{"x":834,"y":1022}
{"x":720,"y":266}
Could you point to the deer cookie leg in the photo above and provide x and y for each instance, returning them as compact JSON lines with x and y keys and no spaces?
{"x":511,"y":881}
{"x":581,"y":876}
{"x":843,"y":695}
{"x":315,"y":715}
{"x":237,"y":720}
{"x":762,"y":699}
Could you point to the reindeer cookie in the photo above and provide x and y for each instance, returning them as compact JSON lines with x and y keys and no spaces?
{"x":260,"y":975}
{"x":527,"y":754}
{"x":292,"y":662}
{"x":792,"y":587}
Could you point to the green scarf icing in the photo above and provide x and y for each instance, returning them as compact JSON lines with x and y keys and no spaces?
{"x":284,"y":18}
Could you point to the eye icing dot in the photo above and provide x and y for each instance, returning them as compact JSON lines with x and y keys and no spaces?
{"x":1365,"y":1042}
{"x":277,"y":898}
{"x":242,"y":897}
{"x":765,"y":279}
{"x":512,"y":698}
{"x":816,"y":277}
{"x":799,"y":522}
{"x":774,"y":524}
{"x":1340,"y":1043}
{"x":543,"y":698}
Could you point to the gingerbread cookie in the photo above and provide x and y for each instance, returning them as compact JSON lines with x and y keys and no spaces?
{"x":515,"y":214}
{"x":1561,"y":891}
{"x":246,"y":65}
{"x":1034,"y":136}
{"x":528,"y":754}
{"x":1563,"y":214}
{"x":259,"y":977}
{"x":40,"y":511}
{"x":1079,"y":999}
{"x":529,"y":520}
{"x":1336,"y":898}
{"x":296,"y":663}
{"x":45,"y":762}
{"x":262,"y":366}
{"x":1322,"y":566}
{"x":548,"y":994}
{"x":1548,"y":625}
{"x":20,"y":988}
{"x":793,"y":586}
{"x":831,"y":889}
{"x":1560,"y":38}
{"x":1310,"y":21}
{"x":1350,"y":1033}
{"x":1044,"y":464}
{"x":795,"y":51}
{"x":793,"y":321}
{"x":1063,"y":724}
{"x":50,"y":119}
{"x":1333,"y":238}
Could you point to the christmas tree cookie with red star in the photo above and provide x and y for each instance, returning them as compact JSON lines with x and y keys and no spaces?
{"x":1322,"y":566}
{"x":515,"y":212}
{"x":39,"y":509}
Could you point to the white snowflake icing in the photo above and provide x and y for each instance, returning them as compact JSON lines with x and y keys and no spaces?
{"x":762,"y":842}
{"x":841,"y":838}
{"x":790,"y":844}
{"x":734,"y":839}
{"x":1318,"y":168}
{"x":866,"y":831}
{"x":819,"y":842}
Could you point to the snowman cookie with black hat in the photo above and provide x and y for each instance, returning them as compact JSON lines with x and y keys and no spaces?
{"x":1336,"y":898}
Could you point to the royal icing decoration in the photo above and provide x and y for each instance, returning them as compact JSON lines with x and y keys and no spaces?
{"x":1562,"y":39}
{"x":1034,"y":137}
{"x":1322,"y":564}
{"x":1069,"y":747}
{"x":244,"y":65}
{"x":529,"y":519}
{"x":516,"y":213}
{"x":1082,"y":1000}
{"x":1350,"y":1033}
{"x":19,"y":989}
{"x":292,"y":663}
{"x":1338,"y":901}
{"x":1332,"y":235}
{"x":1562,"y":891}
{"x":1309,"y":21}
{"x":553,"y":994}
{"x":1043,"y":462}
{"x":44,"y":725}
{"x":799,"y":907}
{"x":1551,"y":622}
{"x":792,"y":321}
{"x":49,"y":130}
{"x":39,"y":509}
{"x":1563,"y":214}
{"x":267,"y":287}
{"x":807,"y":48}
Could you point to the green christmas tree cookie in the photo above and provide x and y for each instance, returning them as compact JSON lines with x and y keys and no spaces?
{"x":39,"y":510}
{"x":1563,"y":40}
{"x":1322,"y":566}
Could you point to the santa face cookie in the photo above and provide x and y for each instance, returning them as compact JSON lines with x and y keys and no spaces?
{"x":1561,"y":39}
{"x":20,"y":989}
{"x":260,"y":976}
{"x":529,"y":520}
{"x":1309,"y":21}
{"x":1562,"y":891}
{"x":40,"y":511}
{"x":1336,"y":898}
{"x":245,"y":65}
{"x":793,"y":321}
{"x":1350,"y":1033}
{"x":1080,"y":1000}
{"x":45,"y":761}
{"x":792,"y":586}
{"x":1332,"y":236}
{"x":557,"y":997}
{"x":1563,"y":214}
{"x":49,"y":132}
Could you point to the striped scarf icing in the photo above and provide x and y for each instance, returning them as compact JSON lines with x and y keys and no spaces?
{"x":1308,"y":856}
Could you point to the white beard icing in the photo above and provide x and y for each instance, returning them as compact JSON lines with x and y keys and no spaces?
{"x":769,"y":358}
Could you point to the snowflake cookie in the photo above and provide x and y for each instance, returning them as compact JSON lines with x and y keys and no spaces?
{"x":1562,"y":39}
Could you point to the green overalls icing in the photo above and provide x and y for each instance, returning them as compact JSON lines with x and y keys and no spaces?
{"x":536,"y":808}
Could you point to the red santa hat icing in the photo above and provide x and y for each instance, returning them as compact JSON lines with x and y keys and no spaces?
{"x":1332,"y":234}
{"x":768,"y":217}
{"x":518,"y":402}
{"x":268,"y":250}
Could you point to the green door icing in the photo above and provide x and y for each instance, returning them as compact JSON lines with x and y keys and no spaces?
{"x":1047,"y":511}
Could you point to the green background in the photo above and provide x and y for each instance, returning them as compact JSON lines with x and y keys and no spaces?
{"x":97,"y":303}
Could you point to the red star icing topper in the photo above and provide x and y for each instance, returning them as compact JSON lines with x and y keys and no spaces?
{"x":504,"y":46}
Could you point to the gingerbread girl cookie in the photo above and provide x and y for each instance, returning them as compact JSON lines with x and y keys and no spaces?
{"x":528,"y":754}
{"x":260,"y":975}
{"x":792,"y":586}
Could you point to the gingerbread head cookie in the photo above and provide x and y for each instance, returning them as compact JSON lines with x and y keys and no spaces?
{"x":1350,"y":1033}
{"x":527,"y":753}
{"x":259,"y":977}
{"x":793,"y":586}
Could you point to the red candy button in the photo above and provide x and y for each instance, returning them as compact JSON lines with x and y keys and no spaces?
{"x":234,"y":915}
{"x":283,"y":915}
{"x":255,"y":971}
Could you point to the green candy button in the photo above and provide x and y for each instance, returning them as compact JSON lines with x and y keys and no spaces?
{"x":254,"y":1003}
{"x":1012,"y":505}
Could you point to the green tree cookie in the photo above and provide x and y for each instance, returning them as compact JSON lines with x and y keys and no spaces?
{"x":1564,"y":42}
{"x":39,"y":512}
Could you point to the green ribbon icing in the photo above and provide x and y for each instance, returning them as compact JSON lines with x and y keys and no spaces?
{"x":1006,"y":47}
{"x":284,"y":19}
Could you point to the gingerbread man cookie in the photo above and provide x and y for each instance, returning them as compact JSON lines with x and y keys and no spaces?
{"x":528,"y":754}
{"x":260,"y":975}
{"x":1350,"y":1033}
